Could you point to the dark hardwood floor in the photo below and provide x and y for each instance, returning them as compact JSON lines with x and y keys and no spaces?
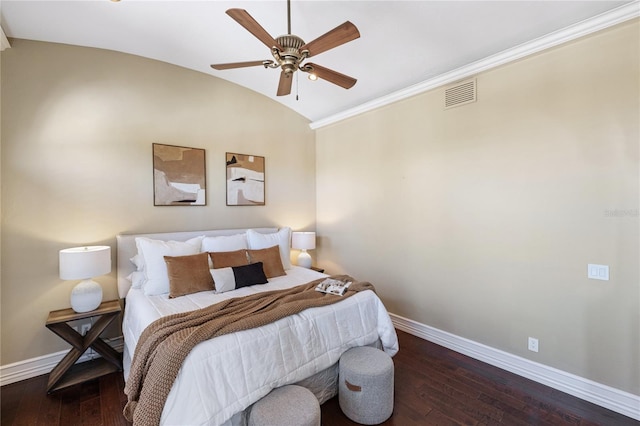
{"x":433,"y":386}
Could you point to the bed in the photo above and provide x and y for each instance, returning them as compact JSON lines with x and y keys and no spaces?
{"x":221,"y":378}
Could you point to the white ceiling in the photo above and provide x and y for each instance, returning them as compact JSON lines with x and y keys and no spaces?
{"x":402,"y":43}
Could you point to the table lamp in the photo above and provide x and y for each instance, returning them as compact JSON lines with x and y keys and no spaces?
{"x":84,"y":263}
{"x":303,"y":241}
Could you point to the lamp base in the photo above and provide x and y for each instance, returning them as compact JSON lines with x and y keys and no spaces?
{"x":304,"y":259}
{"x":86,"y":296}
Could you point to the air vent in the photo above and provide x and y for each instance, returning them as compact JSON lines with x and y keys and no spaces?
{"x":460,"y":94}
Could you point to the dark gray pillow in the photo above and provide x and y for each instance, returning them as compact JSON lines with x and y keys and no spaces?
{"x":249,"y":275}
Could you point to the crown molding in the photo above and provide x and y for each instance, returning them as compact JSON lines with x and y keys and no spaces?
{"x":4,"y":42}
{"x":575,"y":31}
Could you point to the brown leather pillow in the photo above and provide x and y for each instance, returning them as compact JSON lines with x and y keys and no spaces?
{"x":270,"y":258}
{"x":229,"y":259}
{"x":188,"y":274}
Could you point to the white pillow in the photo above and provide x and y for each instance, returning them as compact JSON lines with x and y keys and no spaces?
{"x":155,"y":269}
{"x":137,"y":261}
{"x":224,"y":279}
{"x":137,"y":279}
{"x":282,"y":238}
{"x":224,"y":243}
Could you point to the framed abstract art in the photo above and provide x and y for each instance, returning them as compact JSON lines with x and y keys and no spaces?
{"x":179,"y":176}
{"x":245,"y":180}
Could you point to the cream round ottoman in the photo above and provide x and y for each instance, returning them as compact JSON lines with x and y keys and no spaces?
{"x":289,"y":405}
{"x":365,"y":389}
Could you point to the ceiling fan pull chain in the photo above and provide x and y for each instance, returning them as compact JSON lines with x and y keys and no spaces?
{"x":297,"y":85}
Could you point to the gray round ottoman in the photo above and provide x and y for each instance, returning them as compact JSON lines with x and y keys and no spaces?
{"x":289,"y":405}
{"x":365,"y":389}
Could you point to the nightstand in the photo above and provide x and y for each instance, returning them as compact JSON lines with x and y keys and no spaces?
{"x":67,"y":372}
{"x":315,"y":268}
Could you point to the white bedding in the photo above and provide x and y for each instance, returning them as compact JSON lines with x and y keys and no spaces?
{"x":225,"y":375}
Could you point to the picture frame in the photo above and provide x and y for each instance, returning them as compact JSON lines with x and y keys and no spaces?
{"x":245,"y":175}
{"x":179,"y":176}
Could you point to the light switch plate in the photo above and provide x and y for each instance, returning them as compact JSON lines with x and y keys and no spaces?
{"x":598,"y":272}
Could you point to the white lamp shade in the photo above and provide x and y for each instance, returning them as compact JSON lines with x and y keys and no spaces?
{"x":80,"y":263}
{"x":303,"y":240}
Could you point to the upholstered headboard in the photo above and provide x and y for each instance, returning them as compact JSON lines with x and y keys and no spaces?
{"x":127,"y":248}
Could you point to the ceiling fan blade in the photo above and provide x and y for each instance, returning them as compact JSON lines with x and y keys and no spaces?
{"x":339,"y":35}
{"x":330,"y":75}
{"x":243,"y":18}
{"x":237,"y":65}
{"x":284,"y":86}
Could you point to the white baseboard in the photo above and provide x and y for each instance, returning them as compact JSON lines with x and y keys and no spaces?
{"x":38,"y":366}
{"x":605,"y":396}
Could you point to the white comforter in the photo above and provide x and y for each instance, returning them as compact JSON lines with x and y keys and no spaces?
{"x":225,"y":375}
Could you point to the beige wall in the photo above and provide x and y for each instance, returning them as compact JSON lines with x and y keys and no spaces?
{"x":77,"y":129}
{"x":481,"y":220}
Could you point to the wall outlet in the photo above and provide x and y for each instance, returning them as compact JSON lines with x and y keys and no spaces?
{"x":533,"y":344}
{"x":85,"y":329}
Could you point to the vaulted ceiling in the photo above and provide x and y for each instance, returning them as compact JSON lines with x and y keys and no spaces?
{"x":403,"y":44}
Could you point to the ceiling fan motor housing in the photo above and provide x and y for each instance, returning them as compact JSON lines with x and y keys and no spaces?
{"x":290,"y":41}
{"x":291,"y":56}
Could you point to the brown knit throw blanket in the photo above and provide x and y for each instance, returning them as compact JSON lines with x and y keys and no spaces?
{"x":166,"y":342}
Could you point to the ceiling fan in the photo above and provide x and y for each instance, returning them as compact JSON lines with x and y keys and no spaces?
{"x":290,"y":51}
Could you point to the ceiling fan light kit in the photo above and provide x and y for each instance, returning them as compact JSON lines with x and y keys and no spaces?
{"x":290,"y":51}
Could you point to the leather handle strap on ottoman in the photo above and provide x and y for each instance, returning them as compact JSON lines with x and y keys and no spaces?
{"x":352,"y":387}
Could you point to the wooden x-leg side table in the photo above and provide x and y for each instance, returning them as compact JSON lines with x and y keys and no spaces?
{"x":67,"y":372}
